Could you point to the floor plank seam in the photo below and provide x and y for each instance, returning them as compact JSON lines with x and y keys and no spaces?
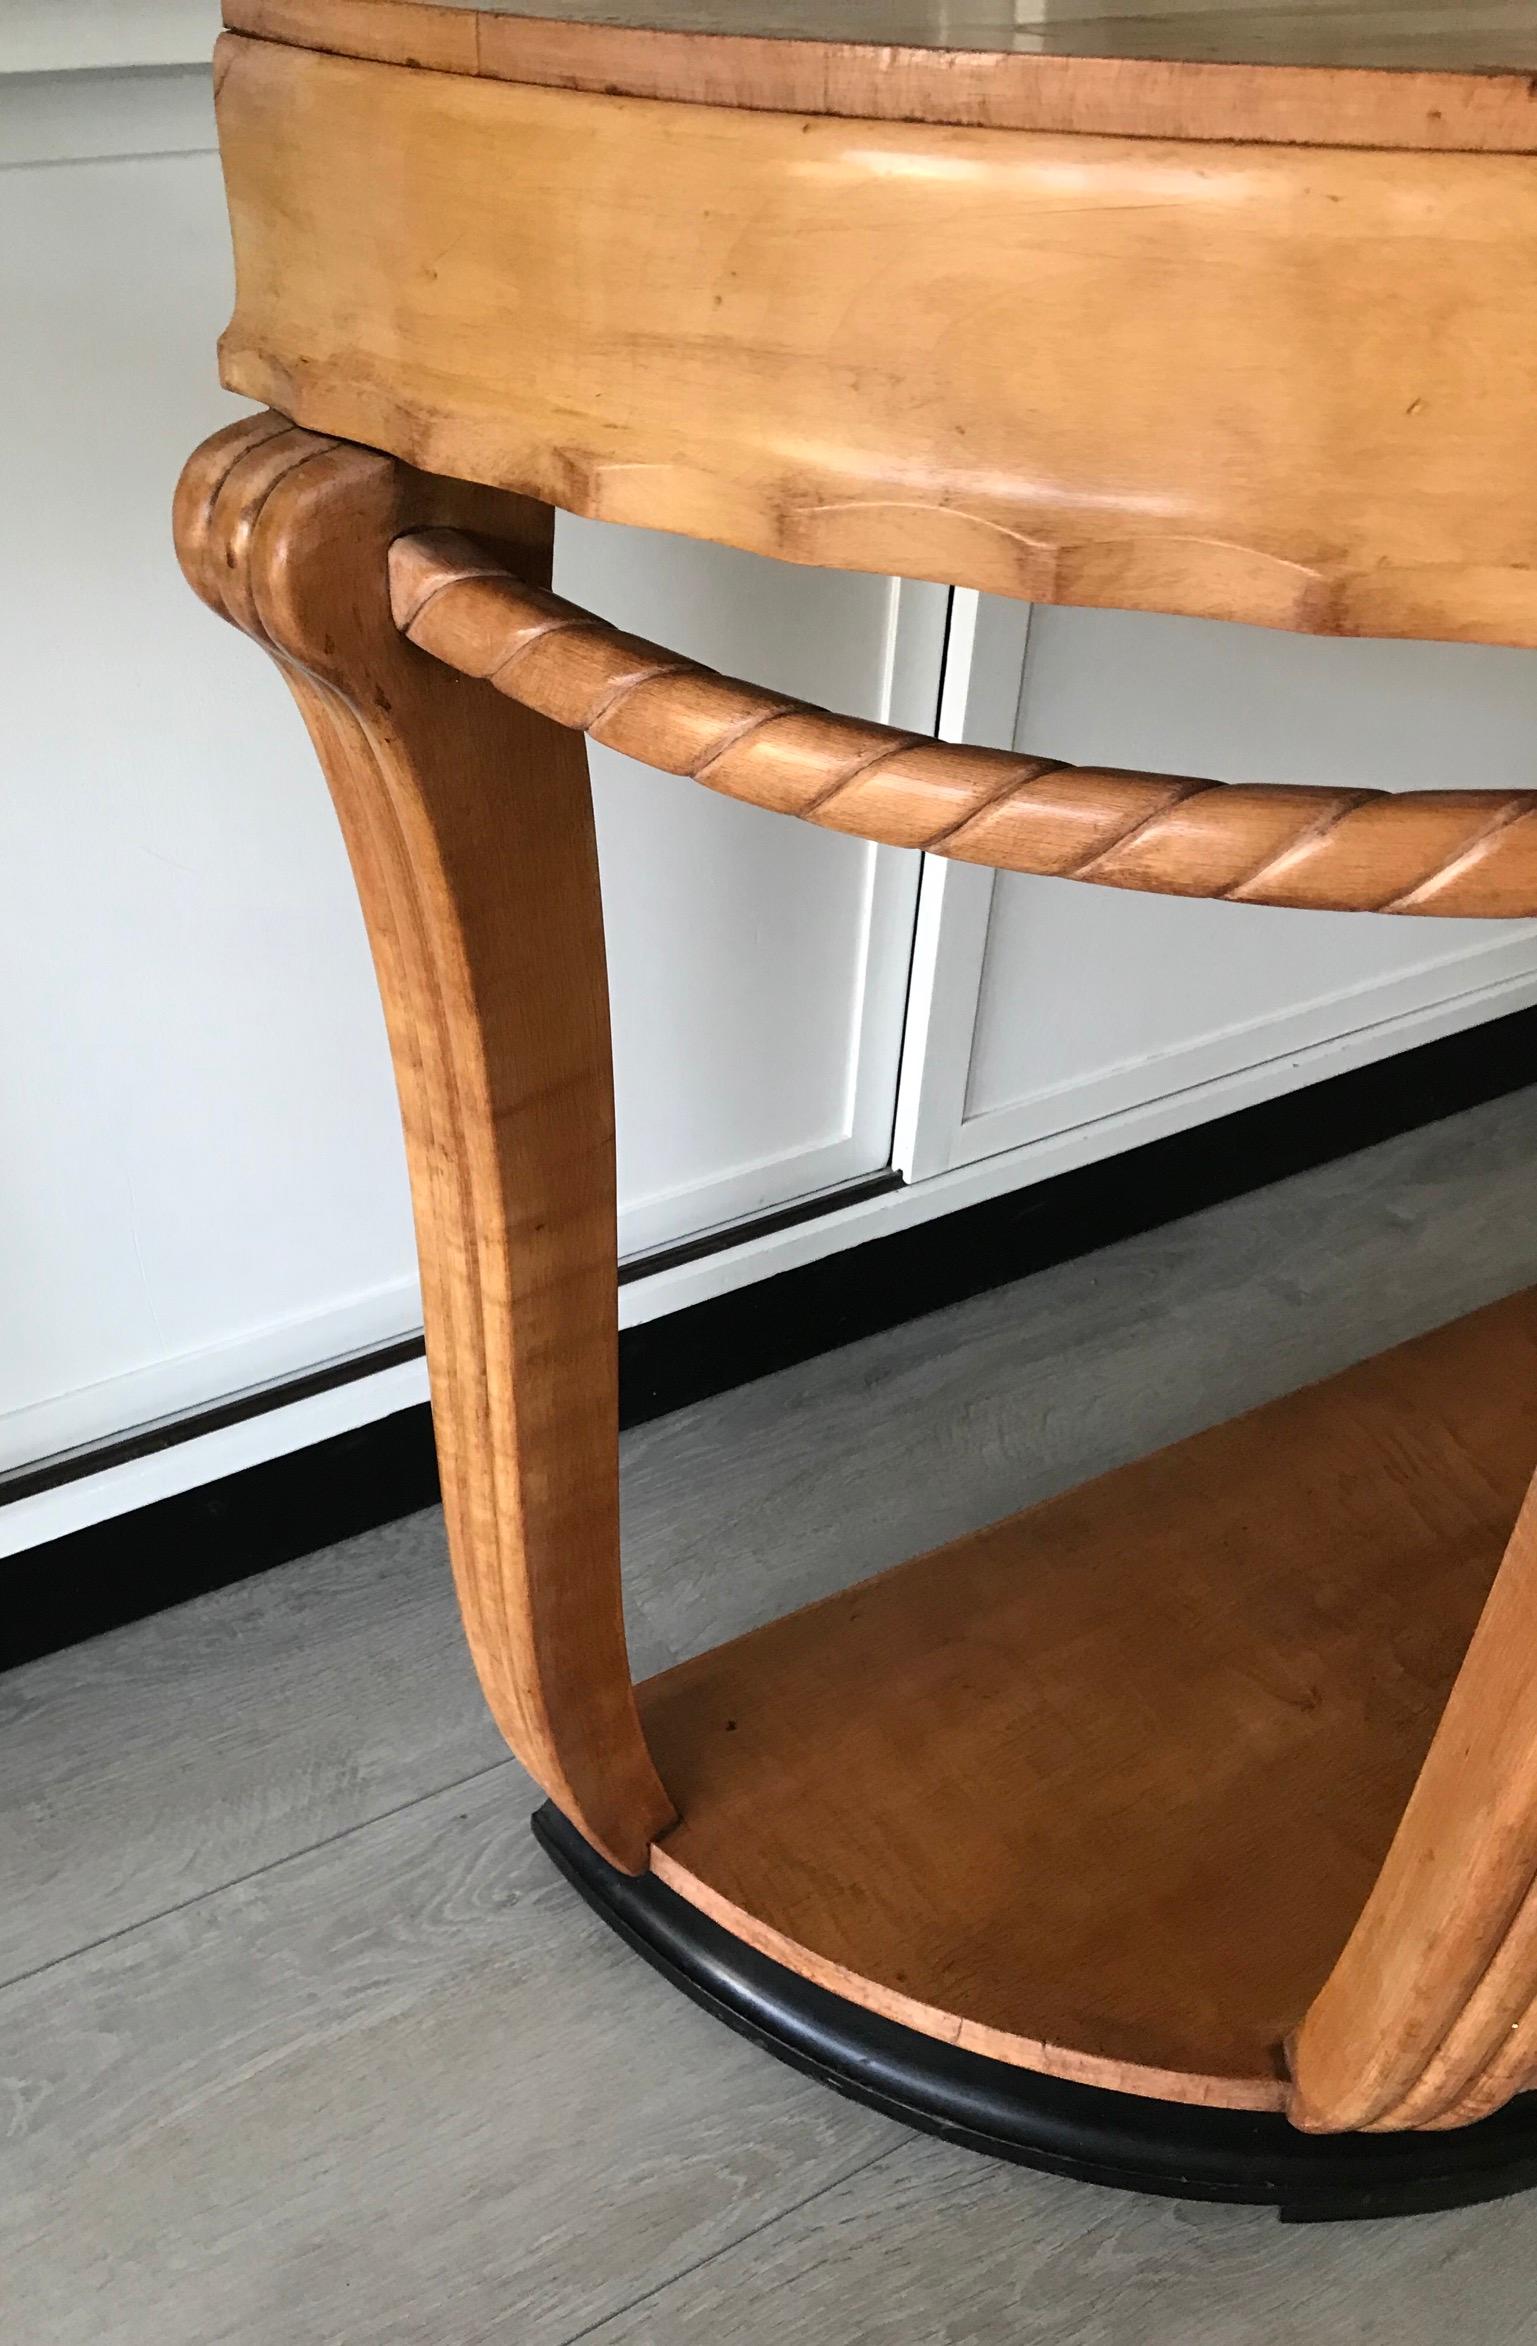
{"x":701,"y":2264}
{"x":143,"y":1922}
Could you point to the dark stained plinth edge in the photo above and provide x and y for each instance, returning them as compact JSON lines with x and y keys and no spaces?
{"x":1172,"y":2149}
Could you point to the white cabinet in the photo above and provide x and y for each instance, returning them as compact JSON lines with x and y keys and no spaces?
{"x":38,"y":36}
{"x":758,"y":967}
{"x":202,"y":1173}
{"x":1068,"y":1022}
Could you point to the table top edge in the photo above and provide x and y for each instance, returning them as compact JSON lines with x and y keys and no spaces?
{"x":1475,"y":110}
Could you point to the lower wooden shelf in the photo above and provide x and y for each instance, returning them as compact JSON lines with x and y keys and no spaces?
{"x":1100,"y":1791}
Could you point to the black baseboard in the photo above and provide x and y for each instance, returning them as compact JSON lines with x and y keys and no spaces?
{"x":114,"y":1572}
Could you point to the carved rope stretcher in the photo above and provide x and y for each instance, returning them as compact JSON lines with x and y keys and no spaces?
{"x":1458,"y":853}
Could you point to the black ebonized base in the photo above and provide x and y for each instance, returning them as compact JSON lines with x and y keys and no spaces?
{"x":1171,"y":2148}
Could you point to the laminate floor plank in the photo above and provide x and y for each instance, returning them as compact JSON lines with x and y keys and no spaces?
{"x":149,"y":1766}
{"x":936,"y":2247}
{"x":400,"y":2090}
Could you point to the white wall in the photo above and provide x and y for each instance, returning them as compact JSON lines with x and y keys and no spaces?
{"x":201,"y":1185}
{"x":60,"y":36}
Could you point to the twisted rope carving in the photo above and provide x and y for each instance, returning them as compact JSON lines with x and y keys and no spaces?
{"x":1469,"y":853}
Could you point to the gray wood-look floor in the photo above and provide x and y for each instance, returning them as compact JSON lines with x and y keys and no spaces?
{"x":303,"y":2043}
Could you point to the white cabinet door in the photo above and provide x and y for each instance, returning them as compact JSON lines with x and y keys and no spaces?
{"x":1065,"y":1022}
{"x":758,"y":967}
{"x":202,"y":1175}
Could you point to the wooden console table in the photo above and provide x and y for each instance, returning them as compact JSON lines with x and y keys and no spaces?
{"x":1181,"y":1831}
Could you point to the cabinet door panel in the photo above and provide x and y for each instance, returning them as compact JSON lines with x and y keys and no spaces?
{"x":1091,"y":1007}
{"x":203,"y":1182}
{"x":758,"y":966}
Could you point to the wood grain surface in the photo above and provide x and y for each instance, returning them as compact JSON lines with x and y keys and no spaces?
{"x":865,"y":346}
{"x":455,"y":804}
{"x":1430,"y":2016}
{"x":1103,"y":1790}
{"x":1450,"y":852}
{"x":1442,"y":74}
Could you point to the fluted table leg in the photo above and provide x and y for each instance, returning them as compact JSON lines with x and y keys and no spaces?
{"x":1427,"y":2019}
{"x":469,"y":824}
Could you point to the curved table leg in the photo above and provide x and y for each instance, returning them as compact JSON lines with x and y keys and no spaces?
{"x":1427,"y":2019}
{"x":469,"y":824}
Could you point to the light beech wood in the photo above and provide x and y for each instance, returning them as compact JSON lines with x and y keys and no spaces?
{"x":1100,"y":309}
{"x":1102,"y":1790}
{"x":865,"y":345}
{"x":1453,"y":75}
{"x":1428,"y":2018}
{"x":1456,"y":852}
{"x":469,"y":826}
